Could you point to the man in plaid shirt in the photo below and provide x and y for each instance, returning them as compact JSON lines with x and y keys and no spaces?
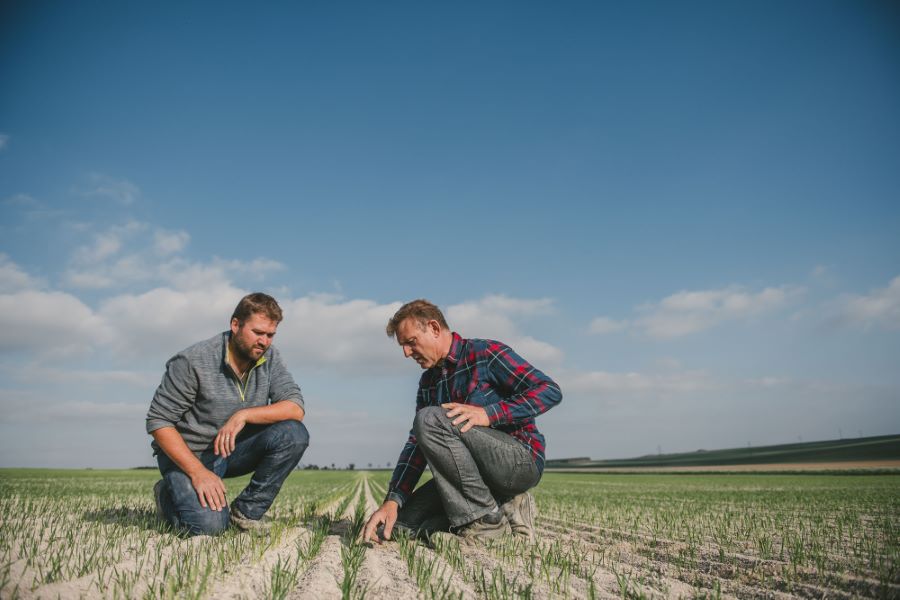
{"x":474,"y":427}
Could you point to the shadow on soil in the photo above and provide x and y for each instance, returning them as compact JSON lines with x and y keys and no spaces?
{"x":126,"y":516}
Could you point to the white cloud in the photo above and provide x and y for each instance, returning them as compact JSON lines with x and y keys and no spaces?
{"x":196,"y":300}
{"x":48,"y":323}
{"x":4,"y":141}
{"x":137,"y":253}
{"x":13,"y":278}
{"x":318,"y":331}
{"x":104,"y":246}
{"x":162,"y":321}
{"x":186,"y":275}
{"x":257,"y":267}
{"x":49,"y":373}
{"x":494,"y":317}
{"x":89,"y":279}
{"x":348,"y":334}
{"x":169,"y":242}
{"x":687,"y":312}
{"x":604,"y":325}
{"x":124,"y":271}
{"x":120,"y":191}
{"x":768,"y":382}
{"x":880,"y":308}
{"x":95,"y":413}
{"x":33,"y":209}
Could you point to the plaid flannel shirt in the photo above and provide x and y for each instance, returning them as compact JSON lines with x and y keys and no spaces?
{"x":489,"y":374}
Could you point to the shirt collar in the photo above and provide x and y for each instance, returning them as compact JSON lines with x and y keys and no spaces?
{"x":455,"y":349}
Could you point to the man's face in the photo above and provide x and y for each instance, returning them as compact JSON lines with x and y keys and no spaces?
{"x":421,"y":343}
{"x":251,"y":339}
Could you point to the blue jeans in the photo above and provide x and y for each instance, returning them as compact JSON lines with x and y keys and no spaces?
{"x":270,"y":452}
{"x":473,"y":472}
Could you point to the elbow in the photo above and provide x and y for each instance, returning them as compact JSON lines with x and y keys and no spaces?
{"x":556,"y":393}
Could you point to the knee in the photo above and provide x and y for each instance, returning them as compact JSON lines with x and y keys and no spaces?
{"x":427,"y":420}
{"x":291,"y":436}
{"x":207,"y":522}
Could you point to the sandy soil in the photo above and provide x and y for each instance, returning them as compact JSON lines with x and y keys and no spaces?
{"x":630,"y":563}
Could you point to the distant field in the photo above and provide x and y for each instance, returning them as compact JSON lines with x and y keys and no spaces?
{"x":93,"y":534}
{"x":869,"y":452}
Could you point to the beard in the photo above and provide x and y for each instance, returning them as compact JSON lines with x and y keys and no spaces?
{"x":244,"y":351}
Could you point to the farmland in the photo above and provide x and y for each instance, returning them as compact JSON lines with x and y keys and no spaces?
{"x":72,"y":534}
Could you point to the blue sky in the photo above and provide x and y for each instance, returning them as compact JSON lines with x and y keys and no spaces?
{"x":687,"y":213}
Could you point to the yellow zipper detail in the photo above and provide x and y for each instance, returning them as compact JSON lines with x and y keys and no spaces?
{"x":241,"y":390}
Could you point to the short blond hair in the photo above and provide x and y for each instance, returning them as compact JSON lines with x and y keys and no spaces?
{"x":421,"y":310}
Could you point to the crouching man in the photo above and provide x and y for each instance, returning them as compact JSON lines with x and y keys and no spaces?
{"x":474,"y":427}
{"x":226,"y":406}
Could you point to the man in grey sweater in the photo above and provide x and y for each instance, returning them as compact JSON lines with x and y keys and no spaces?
{"x":226,"y":406}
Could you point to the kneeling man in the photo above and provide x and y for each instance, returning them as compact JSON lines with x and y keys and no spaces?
{"x":226,"y":406}
{"x":474,"y":427}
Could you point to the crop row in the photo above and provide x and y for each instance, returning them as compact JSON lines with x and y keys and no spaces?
{"x":94,"y":534}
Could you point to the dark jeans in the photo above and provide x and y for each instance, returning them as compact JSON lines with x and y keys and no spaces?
{"x":270,"y":452}
{"x":472,"y":472}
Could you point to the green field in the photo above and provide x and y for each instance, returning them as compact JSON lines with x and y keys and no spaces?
{"x":876,"y":448}
{"x":71,"y":534}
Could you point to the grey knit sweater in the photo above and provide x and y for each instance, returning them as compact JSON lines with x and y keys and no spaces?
{"x":199,"y":391}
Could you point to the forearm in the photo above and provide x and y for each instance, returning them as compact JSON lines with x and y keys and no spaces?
{"x":176,"y":449}
{"x":528,"y":392}
{"x":209,"y":487}
{"x":525,"y":405}
{"x":276,"y":412}
{"x":406,"y":474}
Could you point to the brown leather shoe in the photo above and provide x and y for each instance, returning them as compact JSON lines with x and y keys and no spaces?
{"x":520,"y":512}
{"x":244,"y":523}
{"x":490,"y":526}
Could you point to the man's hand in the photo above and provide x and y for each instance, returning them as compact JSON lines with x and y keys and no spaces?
{"x":469,"y":414}
{"x":386,"y":514}
{"x":210,"y":489}
{"x":225,"y":440}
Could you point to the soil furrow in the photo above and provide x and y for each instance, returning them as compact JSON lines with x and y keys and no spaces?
{"x":252,"y":580}
{"x":708,"y":573}
{"x":322,"y":580}
{"x":384,"y":574}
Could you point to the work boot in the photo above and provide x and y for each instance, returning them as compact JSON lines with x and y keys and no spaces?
{"x":244,"y":523}
{"x":520,"y":512}
{"x":490,"y":526}
{"x":158,"y":490}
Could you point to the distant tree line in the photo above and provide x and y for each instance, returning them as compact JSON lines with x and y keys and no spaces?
{"x":333,"y":467}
